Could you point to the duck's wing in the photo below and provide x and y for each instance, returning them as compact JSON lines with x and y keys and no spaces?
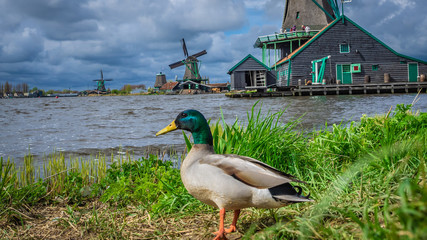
{"x":249,"y":170}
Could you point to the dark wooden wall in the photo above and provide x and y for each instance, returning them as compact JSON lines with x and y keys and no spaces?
{"x":363,"y":49}
{"x":237,"y":77}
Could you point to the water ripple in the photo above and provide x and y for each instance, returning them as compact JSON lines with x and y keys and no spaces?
{"x":73,"y":124}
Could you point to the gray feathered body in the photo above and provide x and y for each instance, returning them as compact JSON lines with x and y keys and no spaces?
{"x":235,"y":182}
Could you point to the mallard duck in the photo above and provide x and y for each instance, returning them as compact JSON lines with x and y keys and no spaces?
{"x":229,"y":181}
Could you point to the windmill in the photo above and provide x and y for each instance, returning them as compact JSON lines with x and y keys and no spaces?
{"x":298,"y":14}
{"x":101,"y":84}
{"x":315,"y":14}
{"x":192,"y":64}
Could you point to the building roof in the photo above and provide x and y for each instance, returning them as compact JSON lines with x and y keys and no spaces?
{"x":169,"y":86}
{"x":195,"y":83}
{"x":244,"y":59}
{"x":219,"y":85}
{"x":343,"y":17}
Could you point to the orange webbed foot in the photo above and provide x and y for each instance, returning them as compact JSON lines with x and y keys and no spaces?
{"x":231,"y":229}
{"x":220,"y":236}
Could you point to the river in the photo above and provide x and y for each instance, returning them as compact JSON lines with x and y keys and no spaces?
{"x":88,"y":125}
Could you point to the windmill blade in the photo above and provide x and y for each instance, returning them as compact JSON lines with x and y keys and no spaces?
{"x":102,"y":75}
{"x":110,"y":79}
{"x":199,"y":54}
{"x":97,"y":80}
{"x":184,"y":48}
{"x":177,"y":64}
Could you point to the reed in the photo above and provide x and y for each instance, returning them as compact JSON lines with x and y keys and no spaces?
{"x":8,"y":177}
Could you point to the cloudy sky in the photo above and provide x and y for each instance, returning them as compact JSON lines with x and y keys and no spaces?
{"x":62,"y":44}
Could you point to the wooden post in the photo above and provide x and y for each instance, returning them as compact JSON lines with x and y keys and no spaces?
{"x":367,"y":79}
{"x":386,"y":77}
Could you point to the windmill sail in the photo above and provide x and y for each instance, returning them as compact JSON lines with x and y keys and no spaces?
{"x":184,"y":47}
{"x":199,"y":54}
{"x":177,"y":64}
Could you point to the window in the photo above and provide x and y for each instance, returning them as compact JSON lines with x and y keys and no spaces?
{"x":375,"y":67}
{"x":297,"y":15}
{"x":356,"y":68}
{"x":346,"y":68}
{"x":344,"y":48}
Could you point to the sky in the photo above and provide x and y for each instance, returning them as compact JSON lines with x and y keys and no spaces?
{"x":63,"y":44}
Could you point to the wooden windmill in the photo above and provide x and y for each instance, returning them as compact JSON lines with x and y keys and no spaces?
{"x":192,"y":64}
{"x":101,"y":83}
{"x":315,"y":14}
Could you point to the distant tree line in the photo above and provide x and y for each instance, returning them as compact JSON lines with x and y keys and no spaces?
{"x":7,"y":88}
{"x":127,"y":88}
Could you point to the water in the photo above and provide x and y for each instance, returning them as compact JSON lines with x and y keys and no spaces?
{"x":87,"y":125}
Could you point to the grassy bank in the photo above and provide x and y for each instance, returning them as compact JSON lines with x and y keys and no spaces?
{"x":368,"y":180}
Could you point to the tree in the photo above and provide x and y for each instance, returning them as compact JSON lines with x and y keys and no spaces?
{"x":7,"y":88}
{"x":18,"y":88}
{"x":25,"y":88}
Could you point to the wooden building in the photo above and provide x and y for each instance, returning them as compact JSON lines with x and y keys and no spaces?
{"x":189,"y":84}
{"x":170,"y":87}
{"x":345,"y":53}
{"x":251,"y":74}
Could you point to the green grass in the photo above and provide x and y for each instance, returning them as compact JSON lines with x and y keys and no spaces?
{"x":368,"y":180}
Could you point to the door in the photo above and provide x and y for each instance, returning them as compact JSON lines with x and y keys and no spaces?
{"x":412,"y":72}
{"x":344,"y":73}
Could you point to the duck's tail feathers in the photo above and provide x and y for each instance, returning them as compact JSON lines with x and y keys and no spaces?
{"x":287,"y":193}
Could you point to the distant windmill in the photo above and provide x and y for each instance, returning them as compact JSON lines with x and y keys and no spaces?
{"x":101,"y":83}
{"x":191,"y":63}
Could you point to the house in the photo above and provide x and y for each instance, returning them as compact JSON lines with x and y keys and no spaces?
{"x":189,"y":84}
{"x":343,"y":52}
{"x":170,"y":87}
{"x":251,"y":74}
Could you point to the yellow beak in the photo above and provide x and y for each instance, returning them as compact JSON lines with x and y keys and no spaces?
{"x":169,"y":128}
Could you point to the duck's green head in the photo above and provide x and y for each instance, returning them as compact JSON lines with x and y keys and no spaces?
{"x":193,"y":121}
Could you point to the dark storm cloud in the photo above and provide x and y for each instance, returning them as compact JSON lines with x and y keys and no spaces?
{"x":69,"y":41}
{"x":56,"y":44}
{"x":401,"y":24}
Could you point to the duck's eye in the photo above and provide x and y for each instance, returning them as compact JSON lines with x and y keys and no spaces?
{"x":183,"y":115}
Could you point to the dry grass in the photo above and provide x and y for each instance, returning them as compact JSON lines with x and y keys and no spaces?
{"x":97,"y":220}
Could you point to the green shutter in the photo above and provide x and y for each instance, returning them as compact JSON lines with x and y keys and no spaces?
{"x":339,"y":72}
